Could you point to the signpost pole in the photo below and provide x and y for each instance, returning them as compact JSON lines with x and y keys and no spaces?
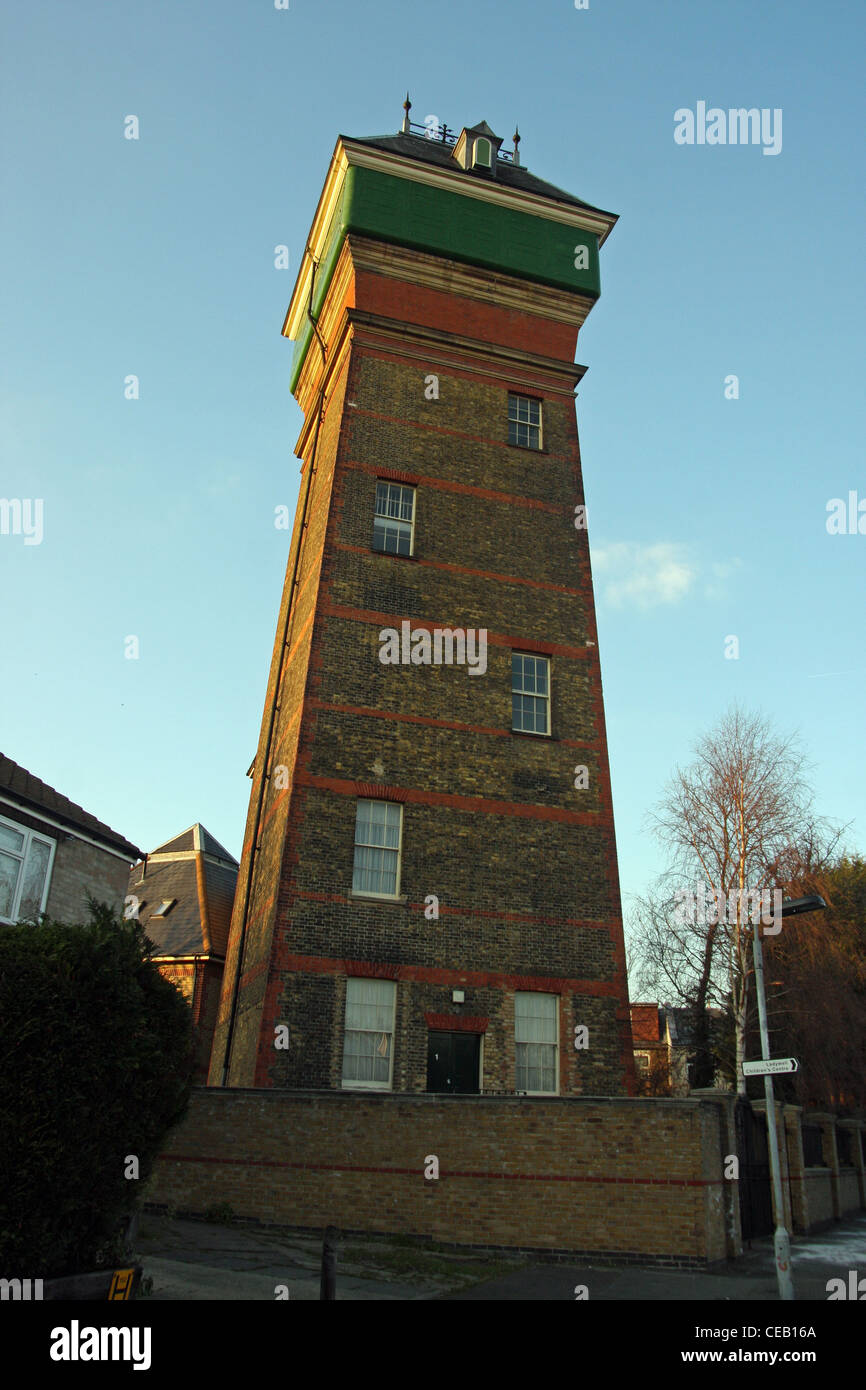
{"x":781,"y":1242}
{"x":794,"y":907}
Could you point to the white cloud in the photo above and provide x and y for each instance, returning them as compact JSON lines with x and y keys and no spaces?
{"x":719,"y":571}
{"x":644,"y":576}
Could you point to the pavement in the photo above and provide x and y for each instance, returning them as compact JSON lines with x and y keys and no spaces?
{"x":830,"y":1254}
{"x":197,"y":1260}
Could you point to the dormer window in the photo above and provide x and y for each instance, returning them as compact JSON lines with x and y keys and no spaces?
{"x":482,"y":154}
{"x":477,"y":147}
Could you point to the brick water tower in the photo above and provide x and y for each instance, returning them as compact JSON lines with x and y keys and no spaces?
{"x":428,"y":897}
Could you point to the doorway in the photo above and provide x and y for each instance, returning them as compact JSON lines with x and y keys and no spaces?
{"x":453,"y":1062}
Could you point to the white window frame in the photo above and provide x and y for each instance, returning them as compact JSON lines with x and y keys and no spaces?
{"x":481,"y":147}
{"x":349,"y":1085}
{"x":29,"y":837}
{"x":520,"y":1042}
{"x":522,"y":418}
{"x":532,"y":694}
{"x":364,"y":893}
{"x":384,"y":516}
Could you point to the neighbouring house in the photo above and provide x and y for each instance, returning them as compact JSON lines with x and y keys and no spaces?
{"x":652,"y":1063}
{"x":53,"y":853}
{"x":183,"y":894}
{"x":664,"y":1044}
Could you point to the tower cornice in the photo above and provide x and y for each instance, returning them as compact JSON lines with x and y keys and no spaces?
{"x":348,"y":153}
{"x":471,"y":281}
{"x":342,"y":310}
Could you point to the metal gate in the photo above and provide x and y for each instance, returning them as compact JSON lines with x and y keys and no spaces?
{"x":756,"y":1201}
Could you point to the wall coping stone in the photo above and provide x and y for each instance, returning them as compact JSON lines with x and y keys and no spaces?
{"x":327,"y":1094}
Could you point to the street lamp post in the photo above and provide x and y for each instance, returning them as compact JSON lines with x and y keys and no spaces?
{"x":781,"y":1242}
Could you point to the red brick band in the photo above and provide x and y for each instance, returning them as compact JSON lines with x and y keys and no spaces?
{"x":474,"y":979}
{"x":455,"y":1023}
{"x":609,"y":924}
{"x":592,"y":744}
{"x":467,"y":490}
{"x":474,"y":805}
{"x":494,"y":639}
{"x":484,"y":1174}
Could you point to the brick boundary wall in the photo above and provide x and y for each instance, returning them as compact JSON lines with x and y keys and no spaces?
{"x":618,"y":1180}
{"x":818,"y":1184}
{"x":849,"y":1191}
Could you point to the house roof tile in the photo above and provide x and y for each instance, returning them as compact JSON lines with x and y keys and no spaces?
{"x":172,"y":875}
{"x":19,"y":785}
{"x":438,"y":153}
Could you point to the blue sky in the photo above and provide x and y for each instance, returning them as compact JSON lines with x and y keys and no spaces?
{"x":155,"y":257}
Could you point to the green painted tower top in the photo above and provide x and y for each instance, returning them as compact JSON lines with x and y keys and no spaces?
{"x":458,"y":196}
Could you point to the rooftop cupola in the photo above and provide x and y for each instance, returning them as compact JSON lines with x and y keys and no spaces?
{"x":477,"y":149}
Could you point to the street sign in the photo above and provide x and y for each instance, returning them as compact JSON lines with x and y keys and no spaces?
{"x":771,"y":1067}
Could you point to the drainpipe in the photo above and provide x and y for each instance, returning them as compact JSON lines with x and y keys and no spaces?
{"x":290,"y":608}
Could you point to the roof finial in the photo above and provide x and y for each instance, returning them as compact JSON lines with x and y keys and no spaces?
{"x":516,"y":139}
{"x":407,"y":107}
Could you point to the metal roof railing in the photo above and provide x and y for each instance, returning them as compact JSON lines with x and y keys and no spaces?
{"x":444,"y":136}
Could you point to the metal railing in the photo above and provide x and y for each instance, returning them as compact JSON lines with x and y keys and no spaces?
{"x":843,"y":1148}
{"x":813,"y":1153}
{"x":443,"y":135}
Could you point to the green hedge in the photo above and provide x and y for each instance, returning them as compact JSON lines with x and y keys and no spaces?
{"x":96,"y":1056}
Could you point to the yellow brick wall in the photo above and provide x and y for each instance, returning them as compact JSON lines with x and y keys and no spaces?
{"x":606,"y":1176}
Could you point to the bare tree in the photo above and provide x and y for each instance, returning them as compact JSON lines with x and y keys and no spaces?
{"x":671,"y":958}
{"x":817,"y":980}
{"x":727,"y":821}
